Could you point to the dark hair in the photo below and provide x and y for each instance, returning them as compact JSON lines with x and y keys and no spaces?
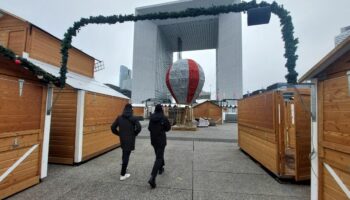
{"x":128,"y":106}
{"x":127,"y":112}
{"x":158,"y":109}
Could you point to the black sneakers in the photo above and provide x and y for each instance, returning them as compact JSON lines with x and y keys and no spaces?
{"x":152,"y":182}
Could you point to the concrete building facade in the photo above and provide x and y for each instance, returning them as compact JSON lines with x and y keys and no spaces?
{"x":156,"y":41}
{"x":125,"y":81}
{"x":204,"y":95}
{"x":344,"y":33}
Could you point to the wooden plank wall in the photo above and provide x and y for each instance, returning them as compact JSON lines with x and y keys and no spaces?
{"x":99,"y":113}
{"x":46,"y":48}
{"x":302,"y":135}
{"x":258,"y":110}
{"x":139,"y":111}
{"x":21,"y":120}
{"x":13,"y":33}
{"x":63,"y":126}
{"x":334,"y":129}
{"x":208,"y":110}
{"x":267,"y":123}
{"x":256,"y":121}
{"x":20,"y":36}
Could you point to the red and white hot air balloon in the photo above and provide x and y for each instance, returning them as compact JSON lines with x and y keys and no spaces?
{"x":185,"y":80}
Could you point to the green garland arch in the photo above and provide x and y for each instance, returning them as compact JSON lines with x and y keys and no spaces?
{"x":41,"y":74}
{"x":290,"y":43}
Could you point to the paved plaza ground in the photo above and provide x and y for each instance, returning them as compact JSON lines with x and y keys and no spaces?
{"x":206,"y":164}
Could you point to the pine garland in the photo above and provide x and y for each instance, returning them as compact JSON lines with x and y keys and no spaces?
{"x":285,"y":22}
{"x":41,"y":74}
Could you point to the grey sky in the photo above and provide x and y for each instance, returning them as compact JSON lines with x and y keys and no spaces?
{"x":316,"y":23}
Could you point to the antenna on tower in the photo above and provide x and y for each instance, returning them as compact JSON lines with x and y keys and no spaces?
{"x":179,"y":48}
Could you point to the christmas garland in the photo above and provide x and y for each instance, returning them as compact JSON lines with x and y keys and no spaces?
{"x":41,"y":74}
{"x":285,"y":22}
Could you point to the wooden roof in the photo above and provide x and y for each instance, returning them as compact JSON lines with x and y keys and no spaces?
{"x":207,"y":101}
{"x":329,"y":59}
{"x":79,"y":81}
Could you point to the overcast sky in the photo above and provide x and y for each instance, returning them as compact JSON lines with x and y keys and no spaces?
{"x":316,"y":24}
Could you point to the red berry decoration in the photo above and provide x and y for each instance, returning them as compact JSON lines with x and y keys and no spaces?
{"x":18,"y":62}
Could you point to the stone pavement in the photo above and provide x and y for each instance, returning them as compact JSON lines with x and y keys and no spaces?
{"x":223,"y":133}
{"x":197,"y":169}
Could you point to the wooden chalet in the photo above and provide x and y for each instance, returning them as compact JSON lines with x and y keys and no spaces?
{"x":25,"y":98}
{"x":84,"y":110}
{"x":208,"y":110}
{"x":331,"y":124}
{"x":81,"y":118}
{"x":139,"y":110}
{"x":274,"y":129}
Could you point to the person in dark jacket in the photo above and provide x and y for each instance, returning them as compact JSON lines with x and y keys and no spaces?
{"x":158,"y":126}
{"x":127,"y":127}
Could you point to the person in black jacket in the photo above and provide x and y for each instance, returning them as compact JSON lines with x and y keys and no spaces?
{"x":127,"y":127}
{"x":158,"y":125}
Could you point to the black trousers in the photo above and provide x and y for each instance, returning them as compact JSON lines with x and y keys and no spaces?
{"x":125,"y":158}
{"x":159,"y":162}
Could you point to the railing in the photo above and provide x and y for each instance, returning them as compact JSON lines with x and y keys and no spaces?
{"x":99,"y":65}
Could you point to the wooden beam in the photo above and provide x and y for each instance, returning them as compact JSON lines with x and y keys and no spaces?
{"x":78,"y":154}
{"x":337,"y":179}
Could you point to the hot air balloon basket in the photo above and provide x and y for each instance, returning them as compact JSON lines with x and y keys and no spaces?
{"x":184,"y":120}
